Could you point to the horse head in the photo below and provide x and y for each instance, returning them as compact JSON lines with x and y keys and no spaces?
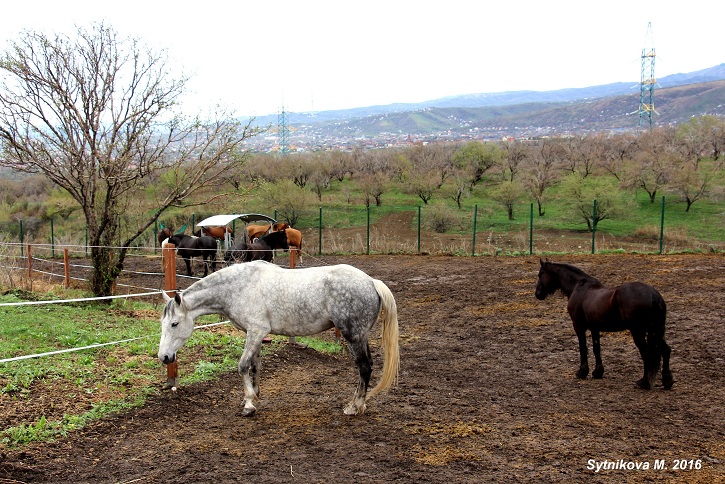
{"x":547,"y":282}
{"x":278,"y":240}
{"x":176,"y":239}
{"x":176,"y":328}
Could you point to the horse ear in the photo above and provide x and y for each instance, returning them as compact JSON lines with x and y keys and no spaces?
{"x":166,"y":296}
{"x":177,"y":298}
{"x":541,"y":262}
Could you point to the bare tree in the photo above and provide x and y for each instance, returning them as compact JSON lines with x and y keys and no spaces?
{"x":617,"y":150}
{"x":541,"y":171}
{"x":96,"y":115}
{"x":516,"y":154}
{"x":651,"y":161}
{"x":702,"y":137}
{"x":477,"y":158}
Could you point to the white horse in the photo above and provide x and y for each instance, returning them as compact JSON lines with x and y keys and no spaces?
{"x":262,"y":298}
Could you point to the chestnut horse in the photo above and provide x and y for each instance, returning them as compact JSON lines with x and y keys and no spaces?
{"x":216,"y":232}
{"x":164,"y":234}
{"x":592,"y":306}
{"x":257,"y":231}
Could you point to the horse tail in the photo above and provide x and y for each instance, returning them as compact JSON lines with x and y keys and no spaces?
{"x":391,"y":358}
{"x":656,"y":333}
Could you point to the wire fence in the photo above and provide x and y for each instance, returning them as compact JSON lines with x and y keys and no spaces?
{"x":423,"y":230}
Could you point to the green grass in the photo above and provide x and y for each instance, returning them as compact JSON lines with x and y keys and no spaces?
{"x":103,"y":380}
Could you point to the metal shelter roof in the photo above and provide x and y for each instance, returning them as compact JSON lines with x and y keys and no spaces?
{"x":219,"y":220}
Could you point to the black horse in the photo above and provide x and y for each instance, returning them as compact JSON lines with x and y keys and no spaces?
{"x":188,"y":247}
{"x":261,"y":249}
{"x":635,"y":306}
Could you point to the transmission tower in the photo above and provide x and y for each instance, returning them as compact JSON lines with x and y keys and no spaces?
{"x":647,"y":85}
{"x":283,"y":132}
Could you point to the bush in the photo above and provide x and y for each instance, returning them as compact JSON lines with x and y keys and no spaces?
{"x":440,"y":218}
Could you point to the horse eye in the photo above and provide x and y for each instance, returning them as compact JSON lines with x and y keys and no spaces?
{"x":174,"y":324}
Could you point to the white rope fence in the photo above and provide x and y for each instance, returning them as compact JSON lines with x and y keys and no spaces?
{"x":151,"y":292}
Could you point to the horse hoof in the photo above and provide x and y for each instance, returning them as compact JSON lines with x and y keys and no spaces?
{"x":599,"y":373}
{"x":643,"y":383}
{"x":353,"y":410}
{"x":248,"y":411}
{"x":667,"y":381}
{"x":582,"y":374}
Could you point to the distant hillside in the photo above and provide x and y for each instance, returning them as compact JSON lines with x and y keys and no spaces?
{"x":520,"y":103}
{"x":672,"y":105}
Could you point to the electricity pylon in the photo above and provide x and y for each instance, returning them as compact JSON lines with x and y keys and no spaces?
{"x":647,"y":85}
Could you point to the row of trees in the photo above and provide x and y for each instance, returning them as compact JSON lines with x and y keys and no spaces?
{"x":685,"y":160}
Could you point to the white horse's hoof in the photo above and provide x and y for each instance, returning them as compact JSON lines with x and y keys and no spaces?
{"x":352,"y":409}
{"x":248,"y":411}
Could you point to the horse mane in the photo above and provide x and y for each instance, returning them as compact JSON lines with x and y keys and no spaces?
{"x":580,"y":274}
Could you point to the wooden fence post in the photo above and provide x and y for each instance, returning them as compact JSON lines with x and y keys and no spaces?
{"x":30,"y":263}
{"x":168,"y":256}
{"x":66,"y":268}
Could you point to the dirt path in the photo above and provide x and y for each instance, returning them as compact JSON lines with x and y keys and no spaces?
{"x":487,"y":393}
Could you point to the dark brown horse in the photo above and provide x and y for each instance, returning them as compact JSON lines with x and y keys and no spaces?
{"x":188,"y":247}
{"x":592,"y":306}
{"x":261,"y":249}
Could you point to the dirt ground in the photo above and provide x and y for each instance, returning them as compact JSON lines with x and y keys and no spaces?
{"x":487,"y":393}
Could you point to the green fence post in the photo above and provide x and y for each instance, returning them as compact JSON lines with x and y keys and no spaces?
{"x":319,"y":250}
{"x":368,"y":224}
{"x":156,"y":234}
{"x":531,"y":229}
{"x":418,"y":229}
{"x":594,"y":223}
{"x":22,"y":250}
{"x":475,"y":220}
{"x":86,"y":241}
{"x":662,"y":224}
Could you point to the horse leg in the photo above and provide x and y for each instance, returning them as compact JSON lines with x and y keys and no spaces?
{"x":667,"y":379}
{"x":205,"y":262}
{"x":248,"y":368}
{"x":583,"y":371}
{"x":641,"y":342}
{"x":361,"y":352}
{"x":599,"y":367}
{"x":188,"y":265}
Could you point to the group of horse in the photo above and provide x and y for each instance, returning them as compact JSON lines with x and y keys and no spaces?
{"x":263,"y":241}
{"x":300,"y":302}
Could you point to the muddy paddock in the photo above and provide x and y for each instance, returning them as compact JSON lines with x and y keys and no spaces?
{"x":487,"y":392}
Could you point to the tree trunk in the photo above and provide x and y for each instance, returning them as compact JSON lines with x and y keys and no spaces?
{"x":105,"y":271}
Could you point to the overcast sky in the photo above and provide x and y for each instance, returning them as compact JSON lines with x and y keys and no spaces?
{"x":314,"y":55}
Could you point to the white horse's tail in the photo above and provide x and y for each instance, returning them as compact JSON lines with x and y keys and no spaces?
{"x":391,"y":357}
